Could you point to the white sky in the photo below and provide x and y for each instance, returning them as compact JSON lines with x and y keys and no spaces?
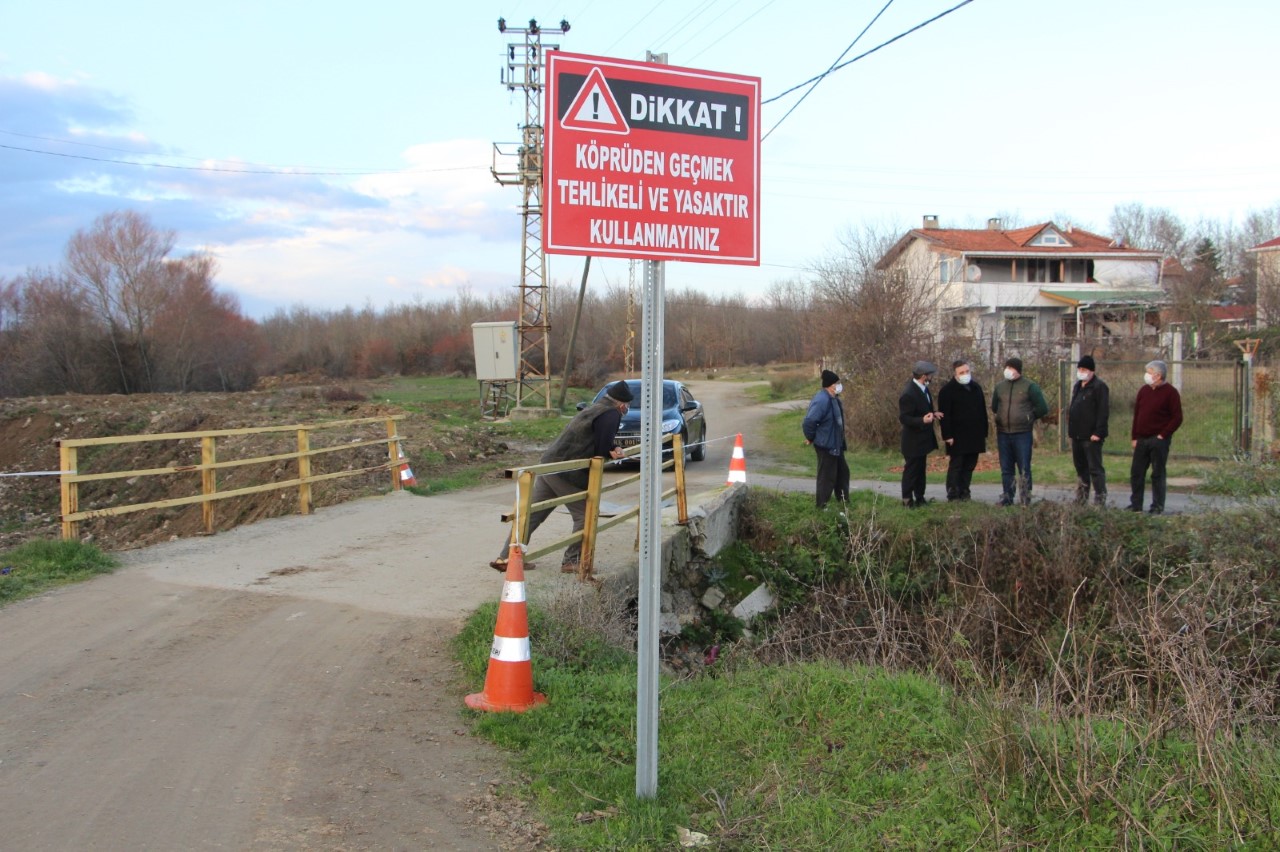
{"x":1025,"y":109}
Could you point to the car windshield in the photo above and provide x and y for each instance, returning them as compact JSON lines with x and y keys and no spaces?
{"x":668,"y":394}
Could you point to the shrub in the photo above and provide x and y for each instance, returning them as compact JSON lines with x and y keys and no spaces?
{"x":336,"y":393}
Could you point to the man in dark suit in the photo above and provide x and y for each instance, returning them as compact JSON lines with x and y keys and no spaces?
{"x":916,"y":414}
{"x":963,"y":408}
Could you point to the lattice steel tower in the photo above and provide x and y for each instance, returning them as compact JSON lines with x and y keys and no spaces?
{"x":524,"y":70}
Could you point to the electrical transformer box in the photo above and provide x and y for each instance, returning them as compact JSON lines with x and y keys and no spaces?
{"x":497,"y":348}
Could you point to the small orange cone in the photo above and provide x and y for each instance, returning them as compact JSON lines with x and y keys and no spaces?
{"x":738,"y":464}
{"x":508,"y":685}
{"x":406,"y":473}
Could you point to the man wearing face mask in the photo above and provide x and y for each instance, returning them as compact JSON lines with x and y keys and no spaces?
{"x":823,"y":428}
{"x":916,"y":414}
{"x":1157,"y":414}
{"x":963,"y":408}
{"x":1017,"y":403}
{"x":1087,"y":429}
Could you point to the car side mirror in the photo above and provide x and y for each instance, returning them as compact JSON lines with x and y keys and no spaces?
{"x":690,"y":406}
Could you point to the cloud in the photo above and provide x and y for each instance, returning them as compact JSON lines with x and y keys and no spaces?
{"x":281,"y":237}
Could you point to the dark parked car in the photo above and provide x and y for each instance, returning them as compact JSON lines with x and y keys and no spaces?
{"x":681,"y":414}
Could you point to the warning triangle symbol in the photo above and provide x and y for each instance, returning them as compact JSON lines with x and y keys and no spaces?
{"x":595,"y":108}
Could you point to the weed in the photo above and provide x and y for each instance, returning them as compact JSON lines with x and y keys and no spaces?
{"x":37,"y":566}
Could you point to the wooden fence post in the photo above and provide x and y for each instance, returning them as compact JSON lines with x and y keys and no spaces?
{"x":393,"y":453}
{"x":208,"y":480}
{"x":587,"y":555}
{"x":682,"y":503}
{"x":524,"y":499}
{"x":70,"y":491}
{"x":304,"y":472}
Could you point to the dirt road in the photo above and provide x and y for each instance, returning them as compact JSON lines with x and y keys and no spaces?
{"x":286,"y":685}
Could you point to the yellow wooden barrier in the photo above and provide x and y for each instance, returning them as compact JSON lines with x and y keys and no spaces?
{"x":592,"y":526}
{"x":68,"y":452}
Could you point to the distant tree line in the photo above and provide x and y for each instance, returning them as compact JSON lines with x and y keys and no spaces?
{"x":122,"y":314}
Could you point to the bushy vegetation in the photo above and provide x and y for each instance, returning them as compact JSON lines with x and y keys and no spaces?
{"x":1059,"y":677}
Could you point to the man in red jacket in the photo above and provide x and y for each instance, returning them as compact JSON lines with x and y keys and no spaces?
{"x":1157,"y":414}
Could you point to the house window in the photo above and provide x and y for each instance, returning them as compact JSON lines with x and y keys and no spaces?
{"x":959,"y":322}
{"x":1050,"y":238}
{"x":944,"y":270}
{"x":1019,"y":327}
{"x":1069,"y":327}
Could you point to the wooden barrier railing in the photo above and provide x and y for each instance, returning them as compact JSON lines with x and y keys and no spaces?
{"x":209,"y":466}
{"x":524,"y":476}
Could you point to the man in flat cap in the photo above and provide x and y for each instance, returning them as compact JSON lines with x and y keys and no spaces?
{"x":1017,"y":403}
{"x":823,"y":429}
{"x":916,"y":414}
{"x":590,"y":433}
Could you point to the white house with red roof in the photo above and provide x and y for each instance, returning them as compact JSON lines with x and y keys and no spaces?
{"x":1267,"y":256}
{"x":1041,"y":284}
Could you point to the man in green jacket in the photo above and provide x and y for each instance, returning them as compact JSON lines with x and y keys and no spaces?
{"x":1017,"y":403}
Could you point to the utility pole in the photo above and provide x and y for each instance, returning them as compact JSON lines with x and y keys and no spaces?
{"x":524,"y":70}
{"x":629,"y":339}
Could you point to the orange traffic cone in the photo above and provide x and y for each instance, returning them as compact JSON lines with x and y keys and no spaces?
{"x":508,"y":685}
{"x":406,"y":473}
{"x":738,"y":464}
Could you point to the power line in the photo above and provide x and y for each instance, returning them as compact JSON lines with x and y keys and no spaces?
{"x":633,"y":27}
{"x":136,"y":152}
{"x":824,"y":74}
{"x":733,"y":30}
{"x":282,"y":172}
{"x":899,"y":36}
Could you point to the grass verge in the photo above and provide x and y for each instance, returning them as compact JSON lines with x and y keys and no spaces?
{"x":37,"y":566}
{"x":1057,"y":677}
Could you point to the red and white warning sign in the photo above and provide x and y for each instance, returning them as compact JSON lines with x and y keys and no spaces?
{"x":651,"y":161}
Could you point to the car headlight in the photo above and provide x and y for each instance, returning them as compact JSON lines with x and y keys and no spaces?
{"x":672,"y":425}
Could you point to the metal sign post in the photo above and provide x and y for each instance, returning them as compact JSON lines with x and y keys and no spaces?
{"x":654,"y":163}
{"x":651,"y":333}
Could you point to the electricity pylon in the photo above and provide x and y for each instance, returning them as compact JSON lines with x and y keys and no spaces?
{"x":524,"y":70}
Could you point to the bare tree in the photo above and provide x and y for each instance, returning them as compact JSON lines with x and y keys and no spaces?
{"x":118,"y":265}
{"x":55,"y":339}
{"x":873,"y":324}
{"x":1155,"y":229}
{"x":200,"y":340}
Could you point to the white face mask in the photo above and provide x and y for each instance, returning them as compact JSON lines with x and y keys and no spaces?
{"x":839,"y":388}
{"x":1148,"y":378}
{"x":1083,"y":375}
{"x":965,"y":379}
{"x":1008,"y":374}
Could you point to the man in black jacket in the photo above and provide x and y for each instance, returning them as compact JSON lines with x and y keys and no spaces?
{"x":1087,"y":429}
{"x":916,"y":414}
{"x":963,"y":407}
